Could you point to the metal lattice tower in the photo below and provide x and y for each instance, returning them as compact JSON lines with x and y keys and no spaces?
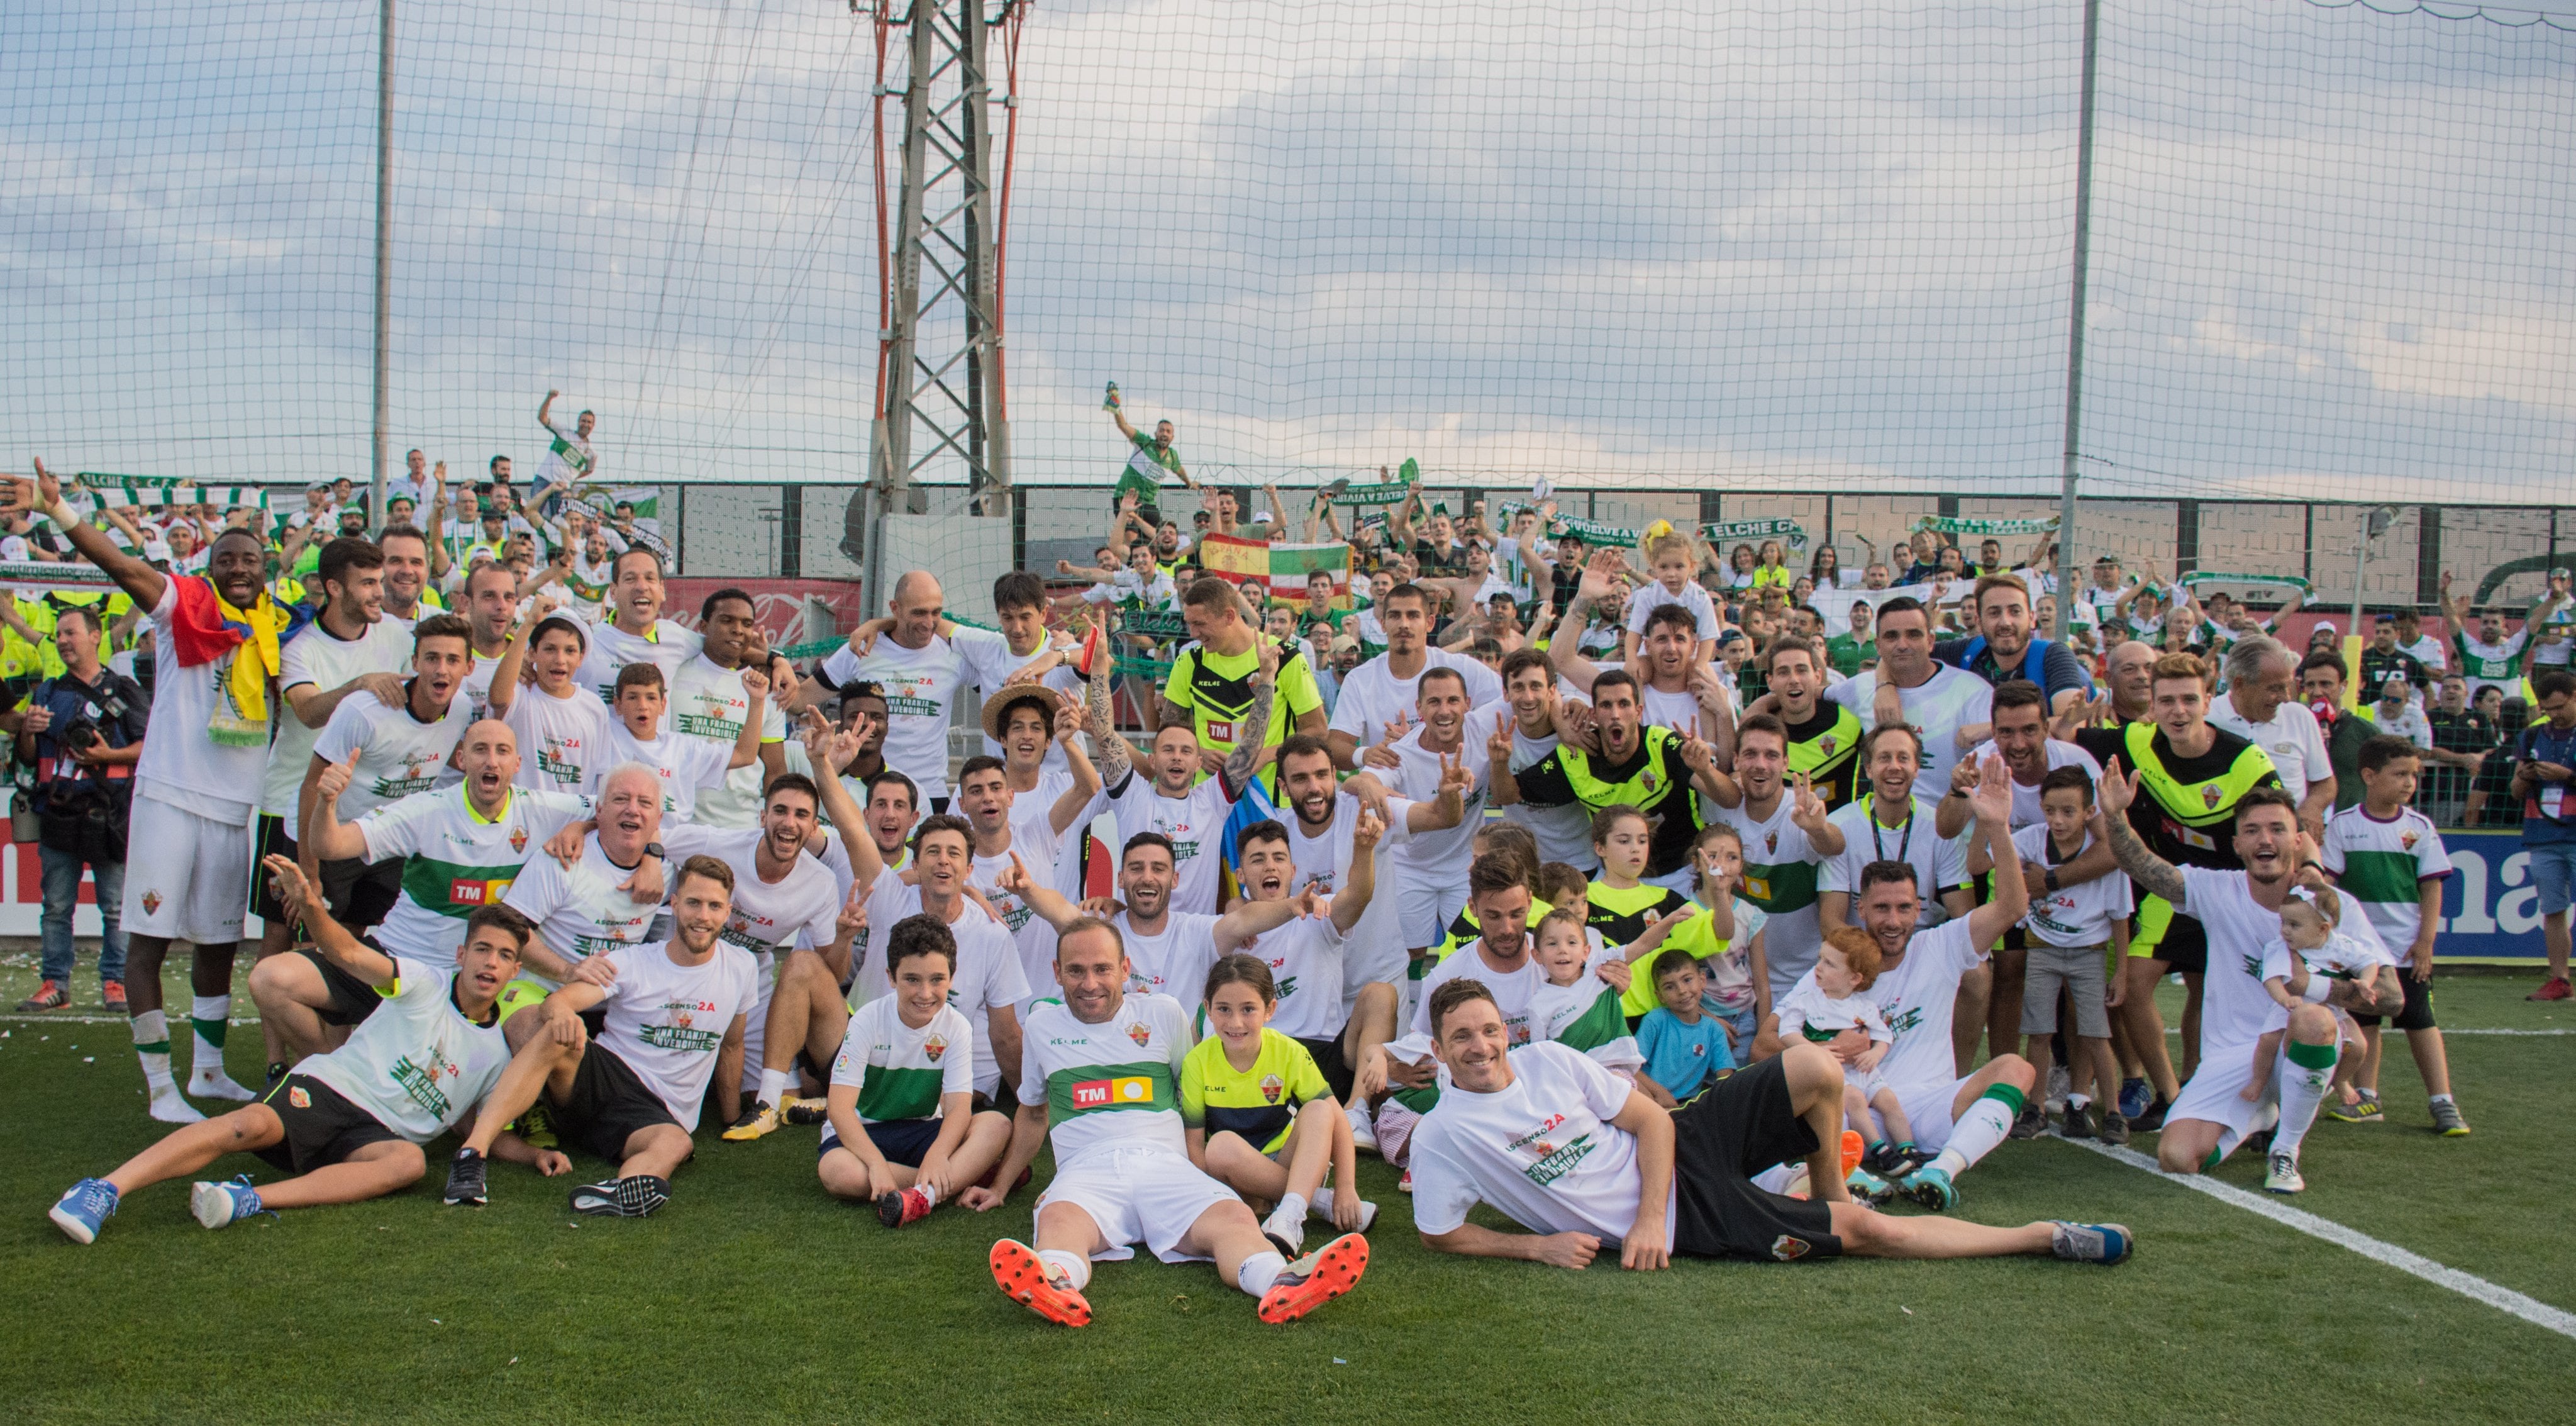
{"x":940,"y":395}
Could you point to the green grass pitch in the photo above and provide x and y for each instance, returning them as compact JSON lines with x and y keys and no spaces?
{"x":752,"y":1297}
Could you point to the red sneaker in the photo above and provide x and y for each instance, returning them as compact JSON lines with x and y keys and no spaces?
{"x":1024,"y":1280}
{"x":1316,"y":1279}
{"x":49,"y":995}
{"x":2556,"y":988}
{"x":112,"y":994}
{"x":910,"y":1205}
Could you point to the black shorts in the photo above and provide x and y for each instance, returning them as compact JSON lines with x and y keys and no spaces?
{"x":360,"y":893}
{"x":1337,"y":1071}
{"x":352,"y":999}
{"x":1005,"y":1098}
{"x":322,"y":1127}
{"x":607,"y":1105}
{"x":2185,"y":946}
{"x":1738,"y":1127}
{"x":2415,"y":1014}
{"x":900,"y":1141}
{"x":273,"y":842}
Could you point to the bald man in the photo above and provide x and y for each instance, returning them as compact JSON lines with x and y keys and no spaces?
{"x":461,"y":848}
{"x":924,"y":662}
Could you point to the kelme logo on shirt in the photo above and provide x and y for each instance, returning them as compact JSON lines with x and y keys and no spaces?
{"x":1110,"y":1093}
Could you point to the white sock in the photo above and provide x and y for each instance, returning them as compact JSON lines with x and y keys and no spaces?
{"x":2441,"y":1099}
{"x":152,"y":1047}
{"x":1287,"y":1222}
{"x":1073,"y":1267}
{"x":2303,"y":1090}
{"x":1986,"y":1124}
{"x":1361,"y":1129}
{"x":773,"y":1087}
{"x":2078,"y":1101}
{"x":929,"y":1194}
{"x":210,"y":1014}
{"x":1322,"y":1209}
{"x":1292,"y":1207}
{"x":1259,"y":1271}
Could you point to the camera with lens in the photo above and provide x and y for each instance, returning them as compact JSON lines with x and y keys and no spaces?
{"x":79,"y":733}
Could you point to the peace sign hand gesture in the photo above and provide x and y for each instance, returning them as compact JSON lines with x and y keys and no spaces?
{"x":1454,"y":775}
{"x":1806,"y":809}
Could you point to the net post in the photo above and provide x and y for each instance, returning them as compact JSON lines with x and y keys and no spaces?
{"x":2067,"y":572}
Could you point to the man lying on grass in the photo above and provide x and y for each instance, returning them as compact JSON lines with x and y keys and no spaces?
{"x":349,"y":1124}
{"x":1577,"y":1155}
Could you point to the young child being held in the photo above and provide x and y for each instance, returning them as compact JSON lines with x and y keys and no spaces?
{"x":1827,"y":1001}
{"x":2303,"y":963}
{"x":1670,"y":556}
{"x":1579,"y":1004}
{"x":1725,"y":936}
{"x":1684,"y":1046}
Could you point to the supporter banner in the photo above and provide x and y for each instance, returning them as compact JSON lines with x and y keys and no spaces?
{"x":1268,"y":572}
{"x":1386,"y":494}
{"x":2199,"y":577}
{"x":69,"y":573}
{"x":2490,"y":909}
{"x":1952,"y":525}
{"x":1723,"y":530}
{"x":236,"y":497}
{"x":645,"y":498}
{"x":1592,"y":532}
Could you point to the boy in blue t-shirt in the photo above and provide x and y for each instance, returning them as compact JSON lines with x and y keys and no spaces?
{"x":1684,"y":1046}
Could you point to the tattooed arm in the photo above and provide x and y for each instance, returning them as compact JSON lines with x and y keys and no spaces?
{"x":2153,"y":874}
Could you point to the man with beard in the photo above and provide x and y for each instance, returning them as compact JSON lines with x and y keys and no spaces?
{"x":350,"y":648}
{"x":1228,"y":680}
{"x":1379,"y":695}
{"x":1581,"y":1159}
{"x":2030,"y":755}
{"x":491,"y":599}
{"x":2005,"y":646}
{"x":671,"y":1029}
{"x":1824,"y":736}
{"x":1650,"y":768}
{"x":2241,"y":910}
{"x":789,"y":900}
{"x":863,"y":711}
{"x":459,"y":847}
{"x":712,"y":696}
{"x":1171,"y":801}
{"x":1431,"y":866}
{"x":1680,"y":692}
{"x":1949,"y":710}
{"x":1169,"y":951}
{"x":1102,"y":1083}
{"x":1786,"y":834}
{"x":1564,"y":833}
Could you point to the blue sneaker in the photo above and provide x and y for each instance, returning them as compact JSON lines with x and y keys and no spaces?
{"x":1930,"y":1186}
{"x":1870,"y":1188}
{"x":220,"y":1205}
{"x":2104,"y":1243}
{"x":2134,"y":1098}
{"x":87,"y":1205}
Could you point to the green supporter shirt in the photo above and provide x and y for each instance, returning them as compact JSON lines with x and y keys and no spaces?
{"x":1847,"y":654}
{"x":1133,"y":481}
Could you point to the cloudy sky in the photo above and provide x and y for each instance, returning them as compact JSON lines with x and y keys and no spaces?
{"x":1791,"y":246}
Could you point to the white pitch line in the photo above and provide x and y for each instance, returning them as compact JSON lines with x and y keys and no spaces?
{"x":2455,"y":1030}
{"x":2503,"y":1299}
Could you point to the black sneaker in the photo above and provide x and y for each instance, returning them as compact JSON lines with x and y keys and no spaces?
{"x":465,"y":1180}
{"x":2078,"y":1123}
{"x":1902,"y":1160}
{"x":635,"y":1196}
{"x":276,"y":1071}
{"x":2115,"y":1130}
{"x":2029,"y":1123}
{"x":2153,"y":1119}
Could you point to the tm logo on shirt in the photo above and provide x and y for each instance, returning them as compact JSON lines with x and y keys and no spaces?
{"x":1113,"y":1093}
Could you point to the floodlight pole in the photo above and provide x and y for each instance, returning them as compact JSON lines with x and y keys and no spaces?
{"x":2075,"y":336}
{"x":2067,"y":571}
{"x":384,"y":245}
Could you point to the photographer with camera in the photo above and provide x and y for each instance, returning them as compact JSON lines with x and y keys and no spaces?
{"x":82,"y":731}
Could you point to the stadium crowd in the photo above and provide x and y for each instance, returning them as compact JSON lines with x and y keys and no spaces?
{"x":1614,"y":881}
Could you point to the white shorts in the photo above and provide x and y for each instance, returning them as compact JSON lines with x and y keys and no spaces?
{"x":756,"y":1024}
{"x":1138,"y":1195}
{"x":1927,"y":1111}
{"x":1425,"y":910}
{"x":2215,"y":1094}
{"x":187,"y":878}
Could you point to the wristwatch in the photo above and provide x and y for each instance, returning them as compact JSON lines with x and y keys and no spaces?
{"x":2051,"y":879}
{"x":654,"y":849}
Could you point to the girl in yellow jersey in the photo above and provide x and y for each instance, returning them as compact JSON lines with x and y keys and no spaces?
{"x":1260,"y":1118}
